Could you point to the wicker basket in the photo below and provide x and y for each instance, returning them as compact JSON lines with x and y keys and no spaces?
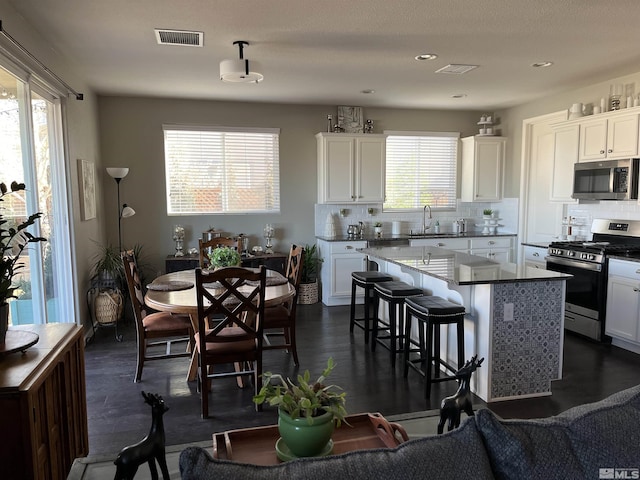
{"x":308,"y":293}
{"x":108,"y":306}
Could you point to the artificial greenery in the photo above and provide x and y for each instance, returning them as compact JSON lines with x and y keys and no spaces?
{"x":304,"y":399}
{"x":377,"y":224}
{"x":487,"y":211}
{"x":310,"y":264}
{"x":224,"y":257}
{"x":13,"y":240}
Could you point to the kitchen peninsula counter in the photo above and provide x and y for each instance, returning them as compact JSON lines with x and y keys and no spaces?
{"x":460,"y":268}
{"x":514,"y":315}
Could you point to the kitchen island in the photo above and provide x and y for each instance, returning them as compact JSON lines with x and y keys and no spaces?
{"x":514,"y":319}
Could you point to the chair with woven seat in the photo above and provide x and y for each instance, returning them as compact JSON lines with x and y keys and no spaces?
{"x":204,"y":247}
{"x":365,"y":280}
{"x":394,"y":293}
{"x":283,"y":317}
{"x":153,"y":329}
{"x":234,"y":298}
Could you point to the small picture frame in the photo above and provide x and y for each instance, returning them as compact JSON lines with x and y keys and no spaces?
{"x":87,"y":185}
{"x":350,"y":119}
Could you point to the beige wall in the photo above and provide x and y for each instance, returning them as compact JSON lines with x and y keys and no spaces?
{"x":82,"y":142}
{"x":131,"y":136}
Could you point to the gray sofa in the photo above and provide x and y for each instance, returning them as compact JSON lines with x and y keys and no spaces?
{"x":576,"y":444}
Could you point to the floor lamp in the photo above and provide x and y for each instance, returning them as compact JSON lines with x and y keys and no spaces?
{"x":124,"y":211}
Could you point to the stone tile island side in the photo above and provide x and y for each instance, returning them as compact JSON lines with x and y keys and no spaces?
{"x":514,"y":319}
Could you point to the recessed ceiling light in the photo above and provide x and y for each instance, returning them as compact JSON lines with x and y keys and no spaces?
{"x":458,"y":95}
{"x":542,"y":64}
{"x":368,"y":91}
{"x":426,"y":56}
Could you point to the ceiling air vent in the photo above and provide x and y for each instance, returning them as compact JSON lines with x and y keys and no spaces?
{"x":179,"y":37}
{"x":456,"y":69}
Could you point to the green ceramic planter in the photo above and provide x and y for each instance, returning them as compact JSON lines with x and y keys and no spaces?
{"x":302,"y":438}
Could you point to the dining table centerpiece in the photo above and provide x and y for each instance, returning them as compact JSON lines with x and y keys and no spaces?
{"x":14,"y":237}
{"x":308,"y":412}
{"x":224,"y":257}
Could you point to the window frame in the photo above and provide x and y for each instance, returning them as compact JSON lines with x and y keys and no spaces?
{"x":455,"y":163}
{"x":226,"y":191}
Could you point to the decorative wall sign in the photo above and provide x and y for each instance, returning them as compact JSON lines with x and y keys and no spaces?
{"x":350,"y":119}
{"x":87,"y":183}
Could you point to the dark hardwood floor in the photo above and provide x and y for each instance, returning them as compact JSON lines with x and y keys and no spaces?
{"x":118,"y":415}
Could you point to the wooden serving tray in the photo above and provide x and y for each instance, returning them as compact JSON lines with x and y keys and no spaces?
{"x":258,"y":445}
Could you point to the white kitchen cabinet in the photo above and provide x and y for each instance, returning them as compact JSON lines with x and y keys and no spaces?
{"x":534,"y":256}
{"x":457,"y":244}
{"x":495,"y":248}
{"x":565,"y":156}
{"x":610,"y":137}
{"x":482,"y":165}
{"x":351,"y":168}
{"x":623,"y":304}
{"x":339,"y":259}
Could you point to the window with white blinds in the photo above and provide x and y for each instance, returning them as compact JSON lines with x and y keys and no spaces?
{"x":220,"y":170}
{"x":421,"y":170}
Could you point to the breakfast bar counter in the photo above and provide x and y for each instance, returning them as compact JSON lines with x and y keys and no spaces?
{"x":514,"y":315}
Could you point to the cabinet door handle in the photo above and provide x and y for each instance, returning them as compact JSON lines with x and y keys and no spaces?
{"x":348,"y":247}
{"x":636,"y":289}
{"x":610,"y":151}
{"x":440,"y":244}
{"x":491,"y":242}
{"x":638,"y":271}
{"x":602,"y":152}
{"x":536,"y":254}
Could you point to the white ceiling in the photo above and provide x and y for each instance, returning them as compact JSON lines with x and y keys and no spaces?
{"x":328,"y":51}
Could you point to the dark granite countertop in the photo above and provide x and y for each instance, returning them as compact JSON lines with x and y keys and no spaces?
{"x":368,"y":237}
{"x":460,"y":268}
{"x":536,"y":244}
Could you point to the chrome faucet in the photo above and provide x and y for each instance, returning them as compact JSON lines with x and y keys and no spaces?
{"x":425,"y":227}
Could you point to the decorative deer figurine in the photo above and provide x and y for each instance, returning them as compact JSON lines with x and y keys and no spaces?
{"x":149,"y":449}
{"x":451,"y":407}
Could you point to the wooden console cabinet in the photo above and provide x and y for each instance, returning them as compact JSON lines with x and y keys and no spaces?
{"x":43,"y":412}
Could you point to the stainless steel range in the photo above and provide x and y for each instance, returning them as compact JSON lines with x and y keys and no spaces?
{"x":586,"y":293}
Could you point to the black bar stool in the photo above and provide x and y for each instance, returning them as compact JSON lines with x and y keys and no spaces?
{"x":394,"y":294}
{"x":366,"y":281}
{"x":431,"y":312}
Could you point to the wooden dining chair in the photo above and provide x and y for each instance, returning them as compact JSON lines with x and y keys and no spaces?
{"x":280,"y":320}
{"x":153,"y":329}
{"x":235,"y":336}
{"x":204,"y":247}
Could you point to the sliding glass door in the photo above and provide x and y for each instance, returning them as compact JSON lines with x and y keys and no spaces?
{"x":31,"y":151}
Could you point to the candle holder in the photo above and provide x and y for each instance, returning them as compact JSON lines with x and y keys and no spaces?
{"x":178,"y":237}
{"x":268,"y":234}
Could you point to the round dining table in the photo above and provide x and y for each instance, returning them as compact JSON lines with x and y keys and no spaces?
{"x":179,"y":297}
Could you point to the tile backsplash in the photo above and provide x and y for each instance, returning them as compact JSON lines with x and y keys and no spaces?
{"x":507,"y":211}
{"x":583,"y":214}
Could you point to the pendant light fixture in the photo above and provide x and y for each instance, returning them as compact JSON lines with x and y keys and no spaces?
{"x":240,"y":70}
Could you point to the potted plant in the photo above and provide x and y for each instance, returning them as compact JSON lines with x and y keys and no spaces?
{"x":308,"y":290}
{"x":486,"y":213}
{"x":307,"y":411}
{"x":224,"y":257}
{"x":13,"y":240}
{"x":377,"y":228}
{"x":107,"y":285}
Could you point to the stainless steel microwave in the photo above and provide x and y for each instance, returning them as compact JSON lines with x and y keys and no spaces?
{"x":606,"y":180}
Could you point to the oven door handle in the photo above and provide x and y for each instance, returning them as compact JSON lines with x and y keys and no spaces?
{"x":595,"y":267}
